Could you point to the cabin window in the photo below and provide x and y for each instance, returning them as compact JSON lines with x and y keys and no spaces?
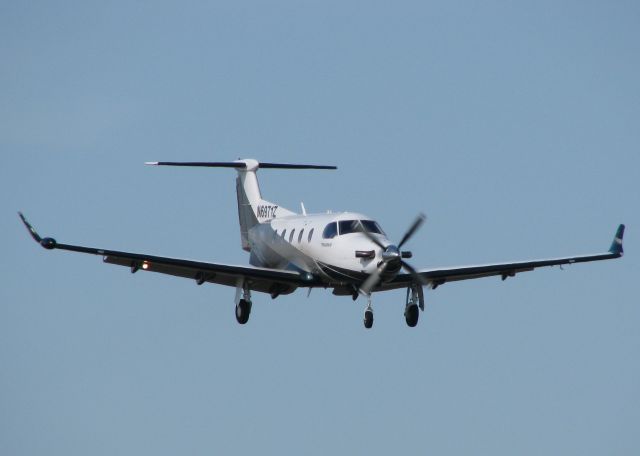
{"x":330,"y":231}
{"x":291,"y":235}
{"x":284,"y":232}
{"x":310,"y":235}
{"x":300,"y":235}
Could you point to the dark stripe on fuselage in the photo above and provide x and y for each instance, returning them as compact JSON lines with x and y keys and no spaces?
{"x":341,"y":274}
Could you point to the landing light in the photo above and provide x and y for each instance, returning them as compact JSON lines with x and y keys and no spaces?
{"x":145,"y":265}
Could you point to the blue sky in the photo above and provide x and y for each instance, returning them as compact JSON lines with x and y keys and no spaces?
{"x":513,"y":126}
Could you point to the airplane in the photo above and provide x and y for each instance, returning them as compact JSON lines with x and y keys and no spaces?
{"x":347,"y":252}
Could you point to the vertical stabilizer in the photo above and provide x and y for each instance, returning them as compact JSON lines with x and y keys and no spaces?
{"x":252,"y":209}
{"x":245,"y":214}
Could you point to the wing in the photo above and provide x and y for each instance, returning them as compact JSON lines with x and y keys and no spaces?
{"x":438,"y":276}
{"x":273,"y":281}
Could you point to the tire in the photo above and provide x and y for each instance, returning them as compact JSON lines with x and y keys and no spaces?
{"x":368,"y":319}
{"x":243,"y":310}
{"x":411,"y":314}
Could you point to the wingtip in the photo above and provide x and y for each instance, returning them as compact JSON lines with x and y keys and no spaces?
{"x":616,"y":246}
{"x":34,"y":234}
{"x":48,"y":243}
{"x":151,"y":163}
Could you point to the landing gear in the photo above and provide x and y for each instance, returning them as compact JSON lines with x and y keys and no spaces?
{"x":411,"y":314}
{"x":368,"y":317}
{"x":243,"y":310}
{"x":243,"y":305}
{"x":414,"y":303}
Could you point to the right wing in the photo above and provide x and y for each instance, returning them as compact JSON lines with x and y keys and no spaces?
{"x":273,"y":281}
{"x":438,"y":276}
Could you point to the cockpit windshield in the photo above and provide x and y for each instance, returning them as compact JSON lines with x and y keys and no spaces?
{"x":355,"y":226}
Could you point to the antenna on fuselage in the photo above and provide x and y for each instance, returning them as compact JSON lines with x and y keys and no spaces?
{"x":304,"y":210}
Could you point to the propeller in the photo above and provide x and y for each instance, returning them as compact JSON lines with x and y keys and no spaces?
{"x":392,"y":256}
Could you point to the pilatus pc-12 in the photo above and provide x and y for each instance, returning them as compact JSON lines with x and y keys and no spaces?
{"x":347,"y":252}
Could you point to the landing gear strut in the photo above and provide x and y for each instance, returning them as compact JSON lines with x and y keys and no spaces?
{"x":414,"y":303}
{"x":243,"y":305}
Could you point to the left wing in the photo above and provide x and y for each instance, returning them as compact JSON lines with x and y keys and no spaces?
{"x":273,"y":281}
{"x":439,"y":276}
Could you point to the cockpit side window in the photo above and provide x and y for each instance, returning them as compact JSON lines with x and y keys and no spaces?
{"x":372,"y":227}
{"x":330,"y":231}
{"x":355,"y":226}
{"x":349,"y":226}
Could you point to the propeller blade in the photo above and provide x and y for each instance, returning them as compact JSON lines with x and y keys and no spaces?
{"x":421,"y":280}
{"x":414,"y":227}
{"x":373,"y":278}
{"x":371,"y":237}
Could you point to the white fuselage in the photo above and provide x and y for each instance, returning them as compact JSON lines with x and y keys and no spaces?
{"x":301,"y":242}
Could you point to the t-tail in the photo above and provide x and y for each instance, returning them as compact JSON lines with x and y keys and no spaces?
{"x":252,"y":209}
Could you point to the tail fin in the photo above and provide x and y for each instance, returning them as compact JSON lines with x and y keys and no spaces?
{"x":252,"y":209}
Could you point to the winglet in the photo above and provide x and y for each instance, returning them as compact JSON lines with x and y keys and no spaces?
{"x":47,"y":243}
{"x":616,"y":245}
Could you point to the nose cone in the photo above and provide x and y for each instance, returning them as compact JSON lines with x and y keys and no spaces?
{"x":391,"y":253}
{"x":393,"y":258}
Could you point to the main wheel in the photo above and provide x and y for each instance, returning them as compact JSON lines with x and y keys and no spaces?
{"x":368,"y":318}
{"x":243,"y":310}
{"x":411,"y":314}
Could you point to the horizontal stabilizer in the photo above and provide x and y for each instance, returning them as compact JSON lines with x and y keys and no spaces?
{"x":242,"y":165}
{"x":294,"y":166}
{"x":203,"y":164}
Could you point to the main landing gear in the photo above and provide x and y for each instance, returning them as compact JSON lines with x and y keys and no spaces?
{"x":414,"y":303}
{"x":243,"y":310}
{"x":243,"y":305}
{"x":411,"y":314}
{"x":368,"y":316}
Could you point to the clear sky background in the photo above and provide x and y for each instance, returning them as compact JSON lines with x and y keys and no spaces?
{"x":515,"y":127}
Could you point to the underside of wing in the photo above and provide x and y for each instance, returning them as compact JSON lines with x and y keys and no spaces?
{"x":273,"y":281}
